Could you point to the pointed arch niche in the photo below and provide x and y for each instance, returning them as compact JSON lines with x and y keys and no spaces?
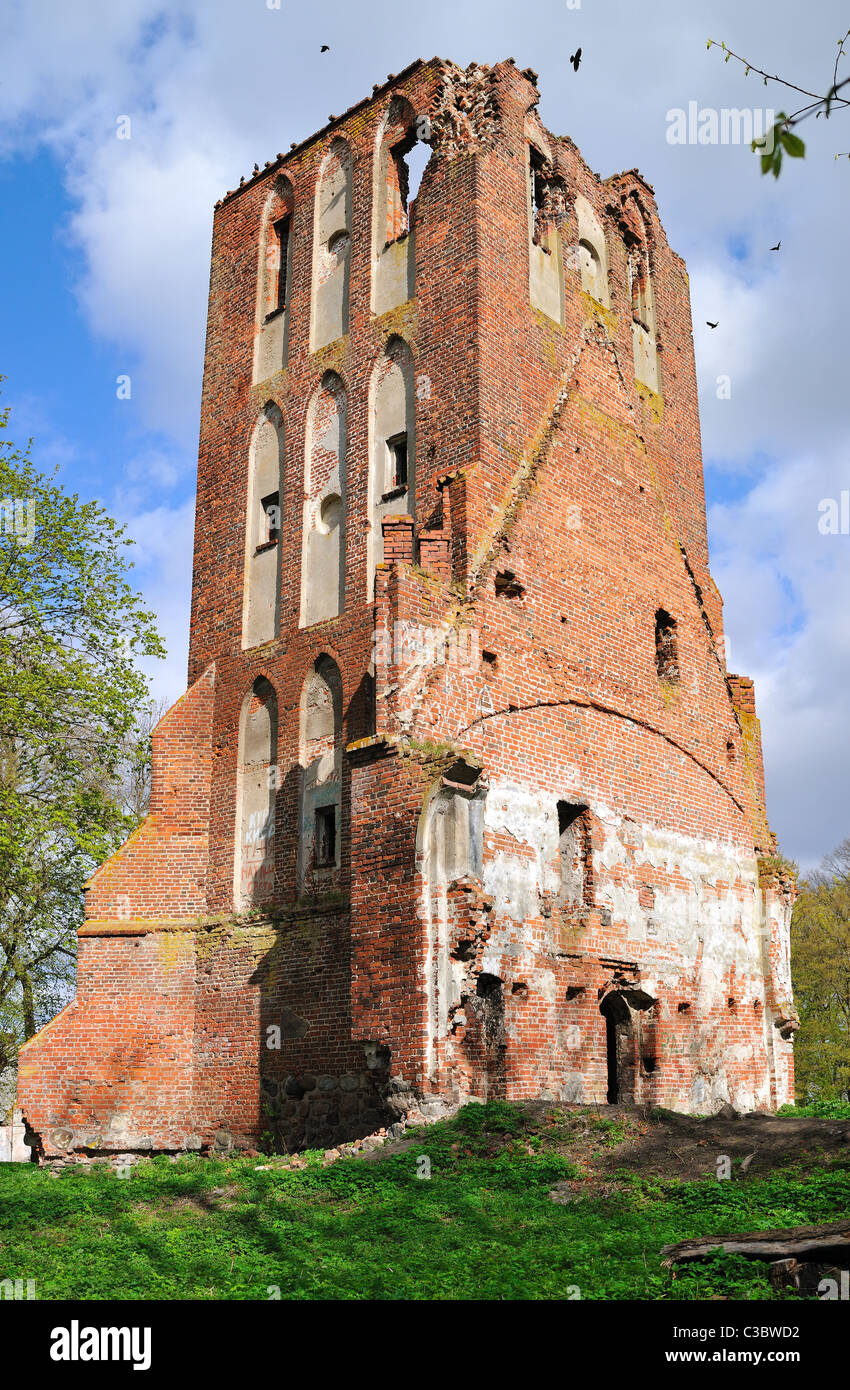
{"x":261,"y":595}
{"x":400,"y":159}
{"x":331,"y":248}
{"x":593,"y":253}
{"x":274,"y":281}
{"x":323,"y":563}
{"x":644,"y":326}
{"x":543,"y":203}
{"x":449,"y":847}
{"x":392,"y":446}
{"x":256,"y":781}
{"x":319,"y":841}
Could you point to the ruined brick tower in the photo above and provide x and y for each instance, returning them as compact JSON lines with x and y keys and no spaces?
{"x":461,"y":800}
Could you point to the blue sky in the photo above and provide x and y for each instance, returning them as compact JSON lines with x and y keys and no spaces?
{"x":62,"y":383}
{"x":104,"y":272}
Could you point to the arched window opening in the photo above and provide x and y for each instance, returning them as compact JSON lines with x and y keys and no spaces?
{"x":275,"y":277}
{"x":588,"y":262}
{"x":398,"y":189}
{"x":396,"y":479}
{"x":278,"y":266}
{"x":639,"y":284}
{"x":392,"y":464}
{"x":400,"y":160}
{"x":321,"y":762}
{"x":539,"y":198}
{"x":270,"y":506}
{"x":261,"y":594}
{"x":256,"y":785}
{"x":545,"y":207}
{"x":636,"y":229}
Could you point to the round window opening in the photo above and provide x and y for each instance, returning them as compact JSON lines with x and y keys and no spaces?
{"x":330,"y":513}
{"x":338,"y":244}
{"x":588,"y":259}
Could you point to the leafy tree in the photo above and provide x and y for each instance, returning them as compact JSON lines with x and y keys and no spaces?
{"x":820,"y":967}
{"x":73,"y":752}
{"x":782,"y":140}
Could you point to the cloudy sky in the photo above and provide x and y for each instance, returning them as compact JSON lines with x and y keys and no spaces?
{"x":105,"y":264}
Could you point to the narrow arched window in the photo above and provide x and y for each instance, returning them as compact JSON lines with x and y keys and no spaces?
{"x":392,"y":463}
{"x":263,"y":519}
{"x":538,"y":188}
{"x":398,"y":223}
{"x":641,"y":294}
{"x":256,"y":786}
{"x":331,"y":248}
{"x":274,"y":281}
{"x":323,"y":565}
{"x":544,"y":198}
{"x":320,"y":845}
{"x":400,"y":160}
{"x":277,"y":253}
{"x":639,"y":285}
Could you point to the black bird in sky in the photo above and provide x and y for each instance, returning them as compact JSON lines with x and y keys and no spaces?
{"x":325,"y":48}
{"x":776,"y":247}
{"x":575,"y":59}
{"x":710,"y":324}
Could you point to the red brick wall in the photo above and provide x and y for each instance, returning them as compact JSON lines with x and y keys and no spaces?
{"x":114,"y":1069}
{"x":559,"y":469}
{"x":161,"y":870}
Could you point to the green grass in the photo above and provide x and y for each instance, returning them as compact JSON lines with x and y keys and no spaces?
{"x":482,"y":1227}
{"x":819,"y":1110}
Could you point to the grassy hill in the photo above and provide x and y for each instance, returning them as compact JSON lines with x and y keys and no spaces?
{"x":523,"y":1201}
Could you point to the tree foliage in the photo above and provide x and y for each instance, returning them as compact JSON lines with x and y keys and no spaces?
{"x":781,"y":140}
{"x":73,"y":753}
{"x":820,"y":968}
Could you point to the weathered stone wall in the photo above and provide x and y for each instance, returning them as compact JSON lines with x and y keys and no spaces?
{"x":235,"y":1032}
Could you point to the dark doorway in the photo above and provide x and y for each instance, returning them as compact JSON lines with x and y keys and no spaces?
{"x":619,"y":1049}
{"x":489,"y":1008}
{"x":612,"y":1095}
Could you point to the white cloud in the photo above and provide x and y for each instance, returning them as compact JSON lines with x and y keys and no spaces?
{"x":162,"y":559}
{"x":787,"y":593}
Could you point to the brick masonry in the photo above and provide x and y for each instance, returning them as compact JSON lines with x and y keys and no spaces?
{"x":497,"y":685}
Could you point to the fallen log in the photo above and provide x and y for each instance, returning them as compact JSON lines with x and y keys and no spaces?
{"x":829,"y":1242}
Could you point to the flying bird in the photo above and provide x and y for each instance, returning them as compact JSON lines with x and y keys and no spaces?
{"x":776,"y":247}
{"x":325,"y":48}
{"x":710,"y":324}
{"x":575,"y":59}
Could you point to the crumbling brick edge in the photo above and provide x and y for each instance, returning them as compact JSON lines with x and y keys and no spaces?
{"x":409,"y":1109}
